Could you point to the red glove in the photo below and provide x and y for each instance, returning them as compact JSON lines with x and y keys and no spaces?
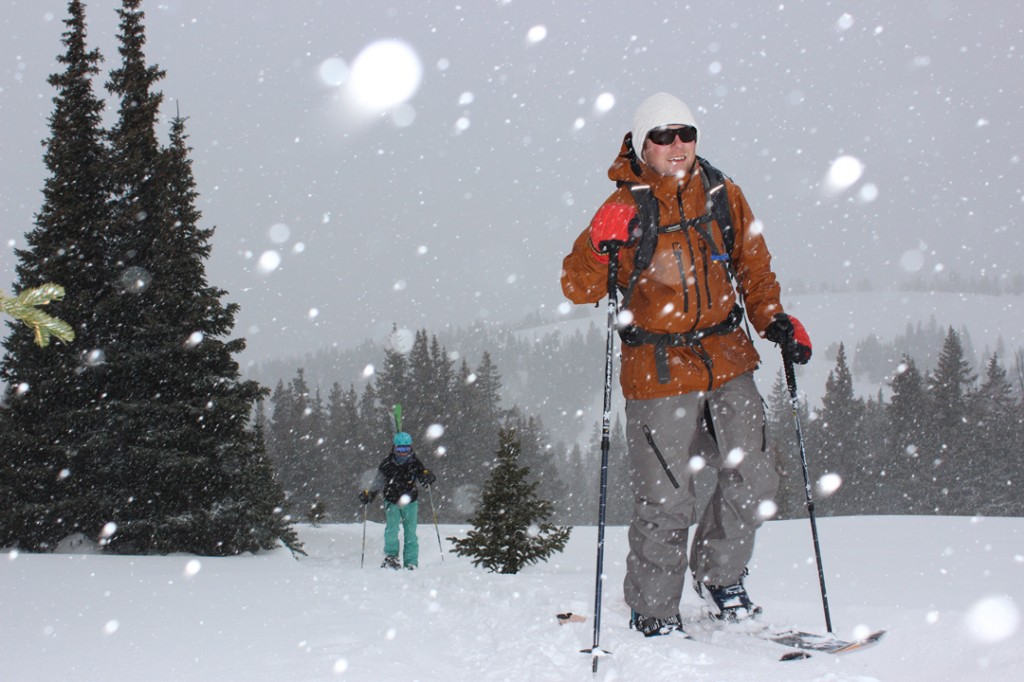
{"x":610,"y":223}
{"x":790,"y":334}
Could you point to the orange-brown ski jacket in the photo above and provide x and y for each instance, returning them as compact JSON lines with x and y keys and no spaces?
{"x":683,"y":290}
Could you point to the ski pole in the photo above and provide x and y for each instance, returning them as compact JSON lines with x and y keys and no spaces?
{"x":363,"y":556}
{"x":433,"y":512}
{"x":791,"y":383}
{"x":612,"y":248}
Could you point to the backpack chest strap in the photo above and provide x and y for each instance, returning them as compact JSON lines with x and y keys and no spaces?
{"x":637,"y":336}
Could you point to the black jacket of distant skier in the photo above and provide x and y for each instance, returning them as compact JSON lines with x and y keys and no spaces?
{"x":399,"y":478}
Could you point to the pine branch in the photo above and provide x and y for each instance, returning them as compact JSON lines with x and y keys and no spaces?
{"x":24,"y":307}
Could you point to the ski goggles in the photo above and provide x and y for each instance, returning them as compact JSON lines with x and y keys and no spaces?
{"x":665,"y":136}
{"x":403,"y":449}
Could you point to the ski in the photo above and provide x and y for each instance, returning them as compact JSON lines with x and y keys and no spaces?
{"x":799,"y":641}
{"x":395,"y":415}
{"x":742,"y":641}
{"x":717,"y":638}
{"x":756,"y":638}
{"x":829,"y":644}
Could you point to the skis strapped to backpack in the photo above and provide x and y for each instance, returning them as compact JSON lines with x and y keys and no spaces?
{"x":396,"y":417}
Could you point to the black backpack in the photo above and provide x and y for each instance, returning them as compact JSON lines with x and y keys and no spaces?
{"x":645,"y":228}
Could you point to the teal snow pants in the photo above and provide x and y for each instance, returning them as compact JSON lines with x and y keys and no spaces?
{"x":406,"y":517}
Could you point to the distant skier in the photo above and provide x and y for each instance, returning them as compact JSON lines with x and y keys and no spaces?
{"x":687,"y":363}
{"x":397,"y":476}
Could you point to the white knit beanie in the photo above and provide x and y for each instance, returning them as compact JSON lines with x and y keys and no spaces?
{"x":656,"y":111}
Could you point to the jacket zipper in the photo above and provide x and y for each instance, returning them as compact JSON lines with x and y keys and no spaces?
{"x":677,"y":249}
{"x":707,"y":282}
{"x":696,"y":282}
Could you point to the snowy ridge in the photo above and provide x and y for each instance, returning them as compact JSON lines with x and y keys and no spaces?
{"x":949,"y":589}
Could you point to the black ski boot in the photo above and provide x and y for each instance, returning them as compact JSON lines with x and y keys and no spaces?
{"x":391,"y":562}
{"x":728,"y":602}
{"x":651,"y":626}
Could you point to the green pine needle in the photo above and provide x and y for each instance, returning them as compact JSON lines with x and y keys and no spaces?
{"x":24,"y":307}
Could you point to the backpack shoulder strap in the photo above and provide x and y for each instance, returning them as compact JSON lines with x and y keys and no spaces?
{"x":718,"y":202}
{"x":718,"y":207}
{"x":643,"y":233}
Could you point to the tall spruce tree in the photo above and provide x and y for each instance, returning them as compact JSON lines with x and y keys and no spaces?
{"x":792,"y":497}
{"x":619,"y":497}
{"x":392,"y":378}
{"x":418,"y":410}
{"x":994,"y":418}
{"x":874,"y":479}
{"x":510,"y":527}
{"x":46,"y":478}
{"x":440,"y":389}
{"x":537,"y":455}
{"x":910,"y":464}
{"x":161,"y":457}
{"x":297,"y":444}
{"x":581,"y":499}
{"x":344,"y":450}
{"x":838,"y":439}
{"x":949,"y":432}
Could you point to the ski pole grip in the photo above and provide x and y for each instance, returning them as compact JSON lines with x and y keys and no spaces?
{"x":611,"y":247}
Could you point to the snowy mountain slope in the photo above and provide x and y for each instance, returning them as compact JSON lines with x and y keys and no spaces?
{"x":950,"y":591}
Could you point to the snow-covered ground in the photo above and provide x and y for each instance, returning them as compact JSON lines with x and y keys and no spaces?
{"x":949,"y":590}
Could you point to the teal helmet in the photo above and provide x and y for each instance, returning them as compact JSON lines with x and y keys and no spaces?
{"x":403,"y":439}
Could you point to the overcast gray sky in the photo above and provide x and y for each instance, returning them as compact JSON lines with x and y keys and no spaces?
{"x":460,"y":202}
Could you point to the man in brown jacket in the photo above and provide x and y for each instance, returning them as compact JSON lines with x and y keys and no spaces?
{"x":687,"y":363}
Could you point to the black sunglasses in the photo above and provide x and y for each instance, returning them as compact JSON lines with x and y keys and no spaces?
{"x":665,"y":136}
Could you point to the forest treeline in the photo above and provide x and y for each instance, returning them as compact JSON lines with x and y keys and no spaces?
{"x":941,"y":439}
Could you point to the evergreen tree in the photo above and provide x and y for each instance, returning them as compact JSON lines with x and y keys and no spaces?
{"x":469,"y":459}
{"x":792,"y":497}
{"x":244,"y":525}
{"x":297,"y":432}
{"x":392,"y":379}
{"x":418,"y":409}
{"x":619,"y":497}
{"x":510,"y":528}
{"x":485,"y":392}
{"x":839,"y":445}
{"x":874,"y":480}
{"x":160,"y":430}
{"x":168,"y":365}
{"x":995,"y":421}
{"x":427,"y":408}
{"x":1018,"y":372}
{"x":581,"y":504}
{"x":536,"y":455}
{"x":460,"y":426}
{"x":949,"y":436}
{"x":375,"y":427}
{"x":440,"y":392}
{"x":463,"y":467}
{"x":46,"y":478}
{"x":910,"y":464}
{"x":324,"y":478}
{"x":344,"y":449}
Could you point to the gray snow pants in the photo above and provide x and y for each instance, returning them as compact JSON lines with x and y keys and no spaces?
{"x":662,"y":514}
